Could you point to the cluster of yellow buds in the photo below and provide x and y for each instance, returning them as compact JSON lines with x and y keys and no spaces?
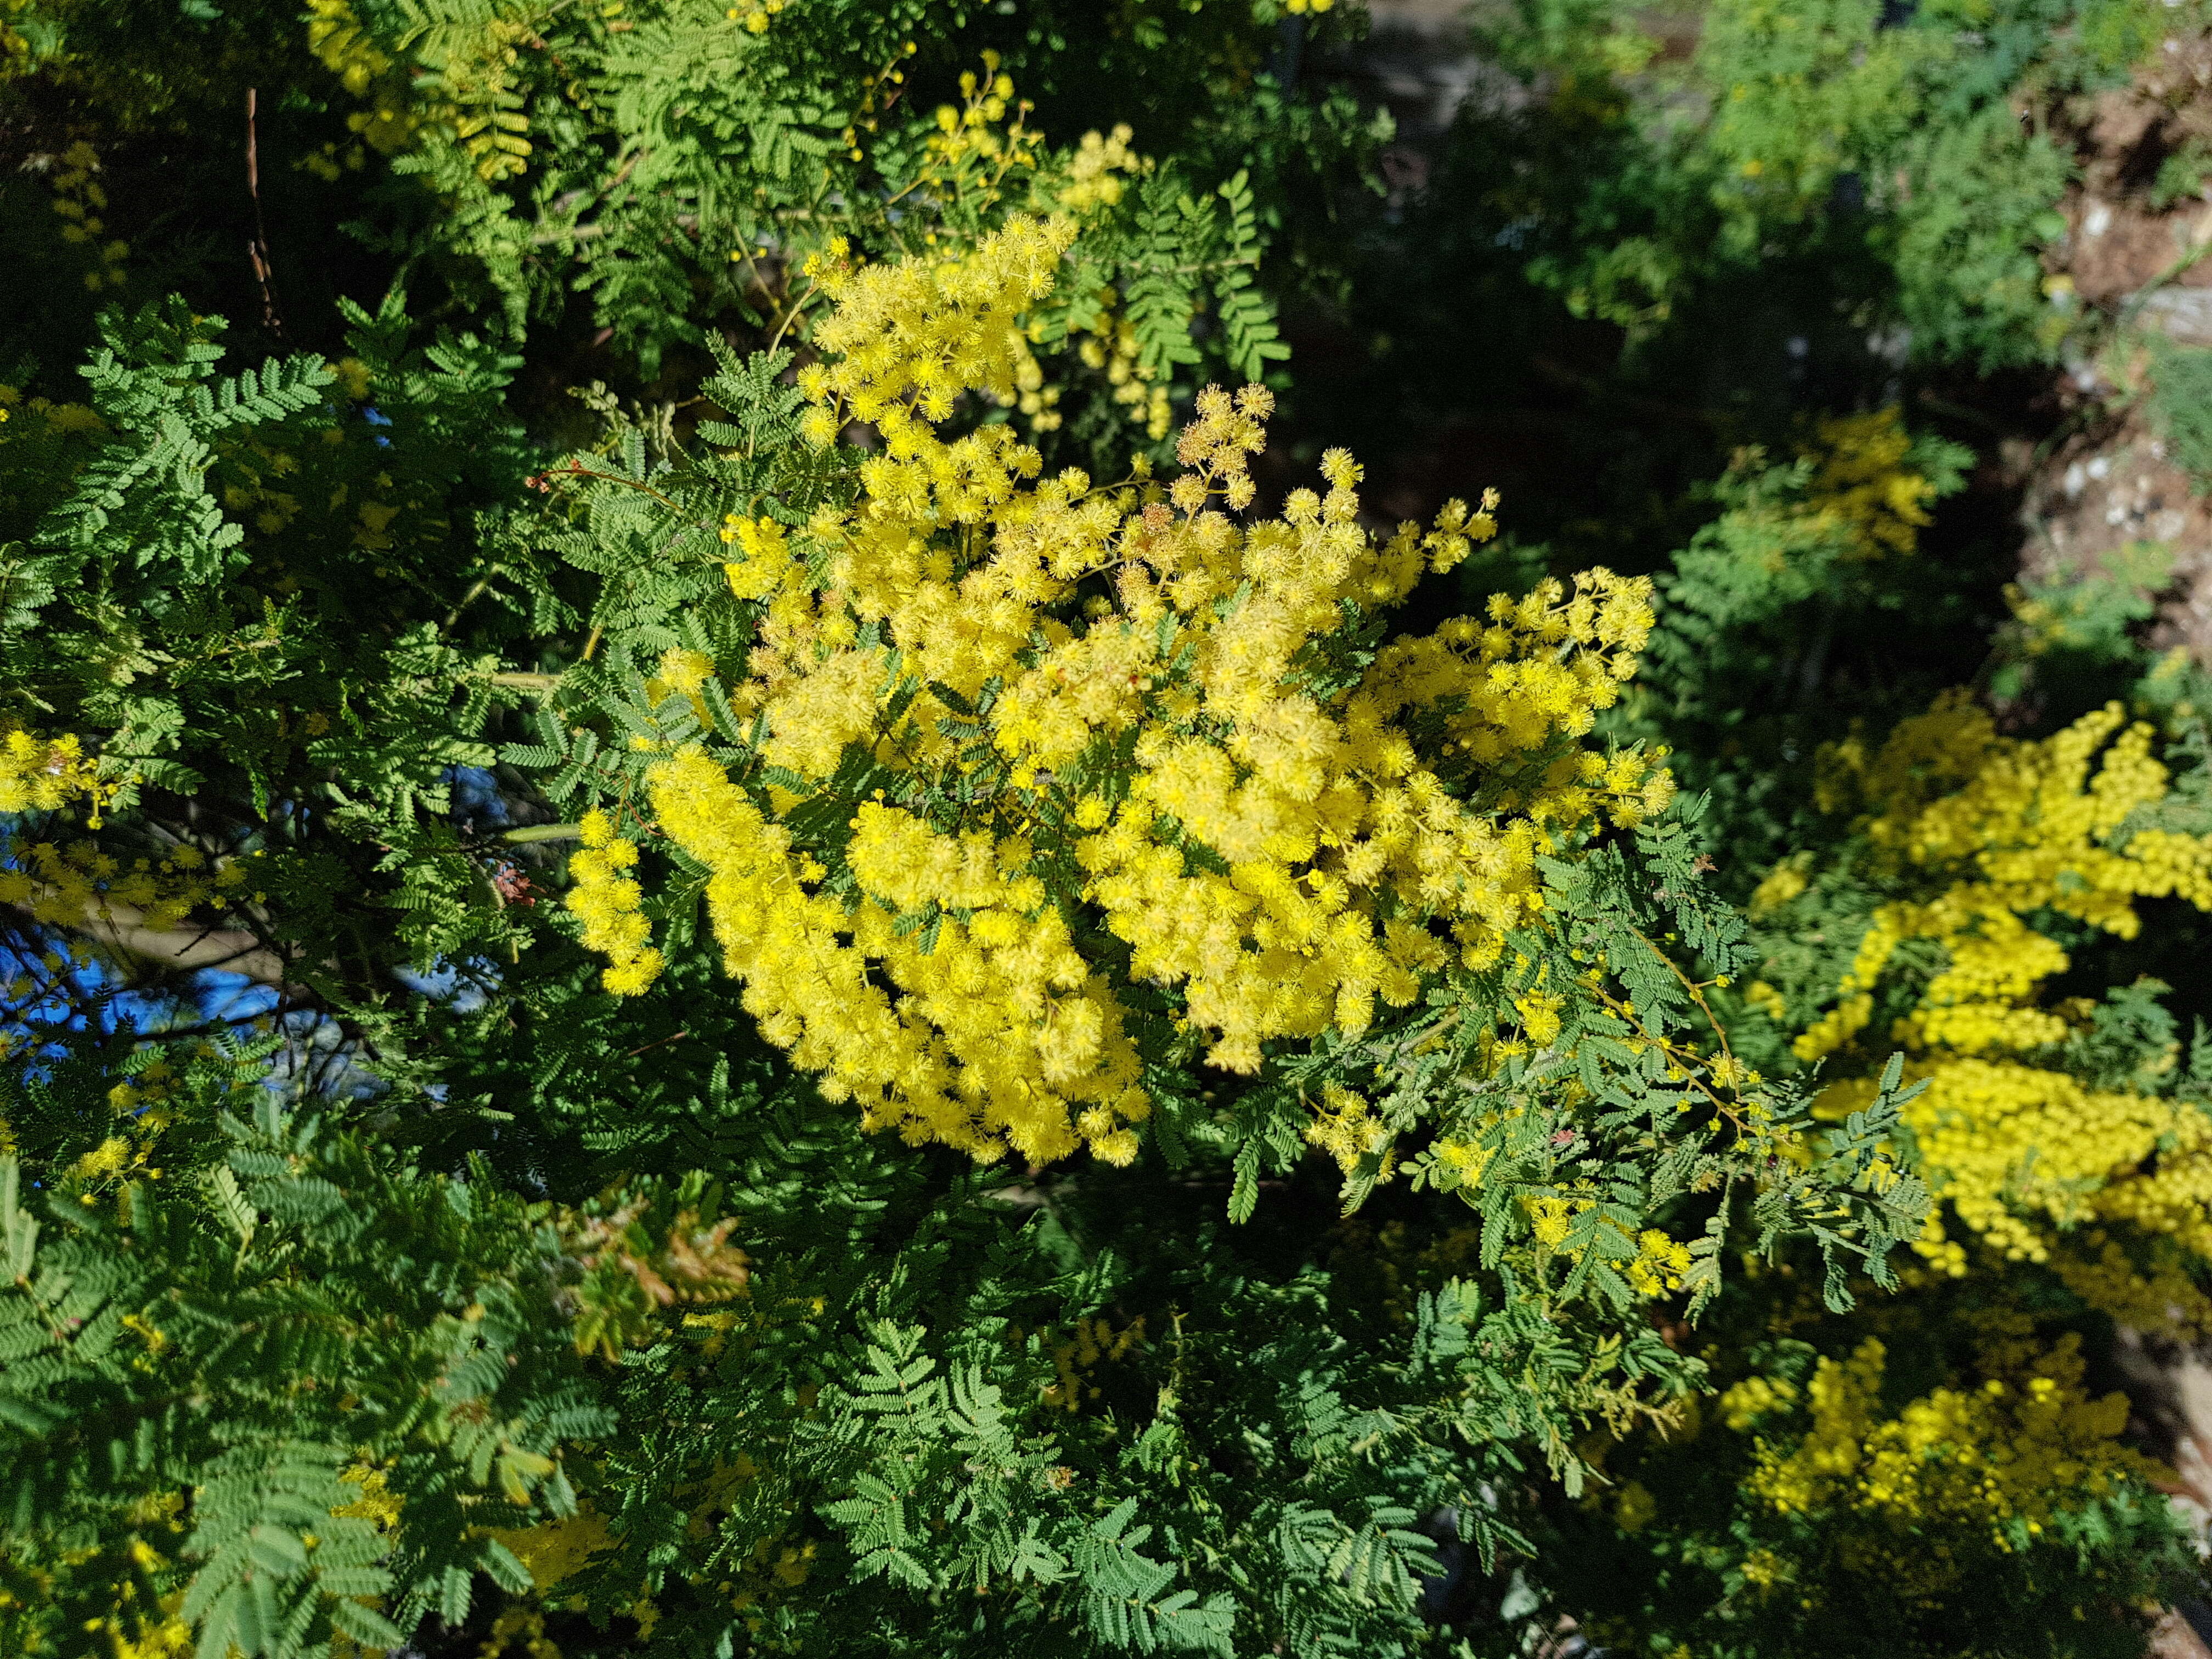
{"x":1112,"y":348}
{"x":79,"y":200}
{"x":336,"y":37}
{"x":1091,"y":180}
{"x":977,"y":144}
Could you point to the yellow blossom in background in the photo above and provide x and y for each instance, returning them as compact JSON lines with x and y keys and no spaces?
{"x":159,"y":1632}
{"x":1862,"y":479}
{"x":2012,"y":1449}
{"x":69,"y":884}
{"x":2030,"y":826}
{"x":1987,"y":834}
{"x":753,"y":15}
{"x":1092,"y":170}
{"x":520,"y":1626}
{"x":1091,"y":1343}
{"x":2022,"y":1150}
{"x":1756,"y":1397}
{"x":376,"y":1504}
{"x":1095,"y":708}
{"x":1768,"y":1000}
{"x":558,"y":1549}
{"x":1783,"y":884}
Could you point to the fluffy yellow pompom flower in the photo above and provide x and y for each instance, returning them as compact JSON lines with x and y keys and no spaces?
{"x":605,"y":900}
{"x":43,"y":775}
{"x":1126,"y":748}
{"x":1863,"y":480}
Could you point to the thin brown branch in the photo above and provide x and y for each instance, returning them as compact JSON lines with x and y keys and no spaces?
{"x":257,"y":249}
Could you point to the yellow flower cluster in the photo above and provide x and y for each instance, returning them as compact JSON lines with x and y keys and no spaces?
{"x":556,"y":1549}
{"x":1781,"y":884}
{"x":1998,"y":831}
{"x":1039,"y":404}
{"x":2019,"y":1149}
{"x":1112,"y":348}
{"x":473,"y":66}
{"x":605,"y":900}
{"x":753,"y":15}
{"x":335,"y":36}
{"x":1106,"y":341}
{"x":906,"y":339}
{"x":1657,"y":1266}
{"x":44,"y":775}
{"x":1550,"y":1219}
{"x":1345,"y":1128}
{"x":2026,"y":828}
{"x":998,"y":1030}
{"x":974,"y":137}
{"x":1660,"y":1263}
{"x":377,"y":1503}
{"x":1093,"y":1342}
{"x":1091,"y":171}
{"x":68,"y":886}
{"x":517,"y":1625}
{"x":157,"y":1630}
{"x":1861,"y":479}
{"x":80,"y":419}
{"x":2016,"y":1448}
{"x":79,"y":201}
{"x":1113,"y":711}
{"x":2152,"y":1285}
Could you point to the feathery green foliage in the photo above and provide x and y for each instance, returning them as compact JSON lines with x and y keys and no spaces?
{"x":377,"y":1278}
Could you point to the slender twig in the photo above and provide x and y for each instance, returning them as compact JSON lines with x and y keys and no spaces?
{"x":257,"y":249}
{"x":537,"y":832}
{"x":2201,"y":245}
{"x":673,"y":1037}
{"x":543,"y":481}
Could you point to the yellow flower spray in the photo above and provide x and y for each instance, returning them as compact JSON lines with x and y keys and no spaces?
{"x":1995,"y":833}
{"x":1108,"y":731}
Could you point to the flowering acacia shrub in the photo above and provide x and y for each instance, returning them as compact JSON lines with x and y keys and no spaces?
{"x":512,"y":1265}
{"x":1951,"y":892}
{"x":1936,"y":1457}
{"x":2015,"y":855}
{"x":2002,"y":1455}
{"x":1115,"y":756}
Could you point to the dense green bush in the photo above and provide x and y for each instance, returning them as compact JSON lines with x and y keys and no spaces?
{"x":665,"y":991}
